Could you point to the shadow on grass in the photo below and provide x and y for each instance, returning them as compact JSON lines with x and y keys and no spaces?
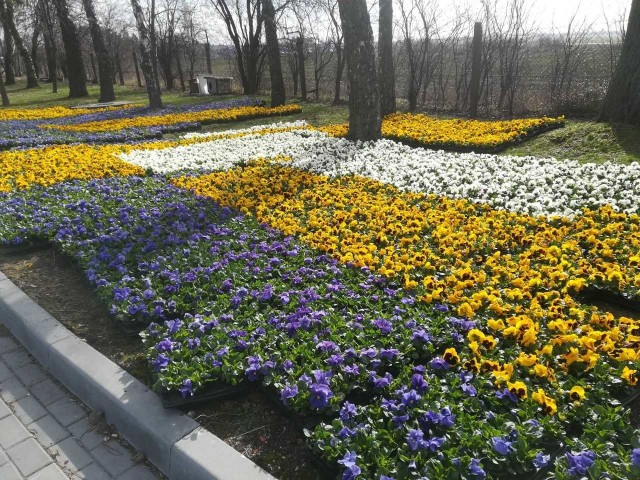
{"x":628,"y":137}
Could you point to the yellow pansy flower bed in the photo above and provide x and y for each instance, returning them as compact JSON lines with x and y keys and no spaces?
{"x":22,"y":169}
{"x":204,"y":117}
{"x":457,"y":133}
{"x":516,"y":274}
{"x":53,"y":112}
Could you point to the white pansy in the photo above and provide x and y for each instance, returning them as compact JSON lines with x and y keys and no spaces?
{"x":298,"y":124}
{"x":537,"y":186}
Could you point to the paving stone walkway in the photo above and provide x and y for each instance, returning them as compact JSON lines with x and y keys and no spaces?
{"x":47,"y":434}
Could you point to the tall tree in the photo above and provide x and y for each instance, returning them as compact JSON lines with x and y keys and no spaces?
{"x":476,"y":70}
{"x":302,"y":72}
{"x":207,"y":52}
{"x":337,"y":39}
{"x":273,"y":51}
{"x":72,"y":50}
{"x":153,"y":90}
{"x":364,"y":100}
{"x":44,"y":11}
{"x":7,"y":14}
{"x":104,"y":64}
{"x":34,"y":46}
{"x":135,"y":64}
{"x":622,"y":103}
{"x":166,"y":25}
{"x":10,"y":74}
{"x":244,"y":21}
{"x":385,"y":63}
{"x":3,"y":94}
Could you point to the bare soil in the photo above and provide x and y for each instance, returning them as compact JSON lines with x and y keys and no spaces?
{"x":251,"y":424}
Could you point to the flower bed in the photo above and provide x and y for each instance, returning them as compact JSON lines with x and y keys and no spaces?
{"x":457,"y":134}
{"x":66,"y":130}
{"x":8,"y":114}
{"x":21,"y":169}
{"x":203,"y":117}
{"x":530,"y":185}
{"x":429,"y":336}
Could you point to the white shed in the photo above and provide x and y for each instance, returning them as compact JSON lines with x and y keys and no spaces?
{"x":209,"y":85}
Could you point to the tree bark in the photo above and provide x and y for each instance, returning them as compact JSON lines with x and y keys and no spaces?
{"x":9,"y":68}
{"x":6,"y":11}
{"x":476,"y":70}
{"x":153,"y":91}
{"x":364,"y":100}
{"x":135,"y":64}
{"x":340,"y":61}
{"x":179,"y":69}
{"x":94,"y":73}
{"x":207,"y":51}
{"x":165,"y":57}
{"x":302,"y":73}
{"x":273,"y":50}
{"x":385,"y":63}
{"x":52,"y":62}
{"x":34,"y":47}
{"x":73,"y":52}
{"x":3,"y":94}
{"x":622,"y":102}
{"x":119,"y":68}
{"x":104,"y":64}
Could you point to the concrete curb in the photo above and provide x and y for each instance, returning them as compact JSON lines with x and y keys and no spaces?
{"x":175,"y":443}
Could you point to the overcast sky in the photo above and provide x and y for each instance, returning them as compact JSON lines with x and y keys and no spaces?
{"x":559,"y":12}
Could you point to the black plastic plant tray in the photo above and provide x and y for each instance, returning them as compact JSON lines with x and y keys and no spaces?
{"x":25,"y":247}
{"x":598,"y":294}
{"x":215,"y":391}
{"x":130,"y":329}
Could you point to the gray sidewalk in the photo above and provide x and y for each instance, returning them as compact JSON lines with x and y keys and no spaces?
{"x":47,"y":434}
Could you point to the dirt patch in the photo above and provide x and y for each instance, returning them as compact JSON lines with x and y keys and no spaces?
{"x":251,"y":424}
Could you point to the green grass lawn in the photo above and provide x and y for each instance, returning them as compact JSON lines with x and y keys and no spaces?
{"x":583,"y":141}
{"x":20,"y":97}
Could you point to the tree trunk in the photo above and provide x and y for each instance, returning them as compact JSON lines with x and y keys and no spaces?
{"x":52,"y":62}
{"x":302,"y":73}
{"x":94,"y":73}
{"x":119,"y":68}
{"x":34,"y":48}
{"x":340,"y":61}
{"x":9,"y":67}
{"x":73,"y":52}
{"x":165,"y":57}
{"x":6,"y":11}
{"x":135,"y":64}
{"x":104,"y":64}
{"x":207,"y":51}
{"x":153,"y":44}
{"x":179,"y":68}
{"x":273,"y":50}
{"x":385,"y":63}
{"x":155,"y":98}
{"x":364,"y":100}
{"x":476,"y":70}
{"x":622,"y":102}
{"x":3,"y":94}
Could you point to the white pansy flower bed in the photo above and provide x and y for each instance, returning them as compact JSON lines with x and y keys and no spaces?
{"x":537,"y":186}
{"x":298,"y":125}
{"x":219,"y":154}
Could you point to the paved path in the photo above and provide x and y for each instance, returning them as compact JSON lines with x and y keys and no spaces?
{"x":47,"y":434}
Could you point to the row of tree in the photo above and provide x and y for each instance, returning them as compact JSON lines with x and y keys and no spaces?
{"x":168,"y":43}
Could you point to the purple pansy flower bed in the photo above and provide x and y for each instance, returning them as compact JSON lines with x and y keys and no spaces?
{"x":228,"y":300}
{"x":28,"y":133}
